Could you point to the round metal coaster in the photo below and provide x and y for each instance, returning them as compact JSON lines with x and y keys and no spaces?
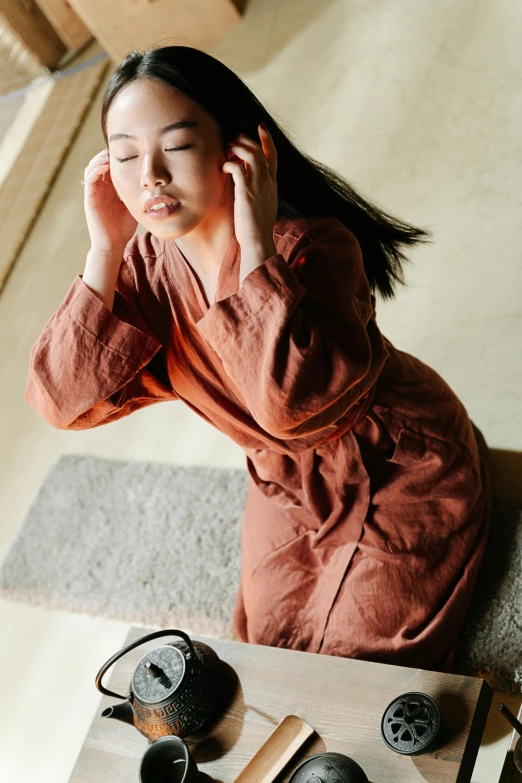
{"x":411,"y":724}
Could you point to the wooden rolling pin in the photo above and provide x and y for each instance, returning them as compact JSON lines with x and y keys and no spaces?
{"x":276,"y":752}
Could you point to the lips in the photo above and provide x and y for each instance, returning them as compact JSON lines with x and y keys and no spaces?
{"x":159,"y":200}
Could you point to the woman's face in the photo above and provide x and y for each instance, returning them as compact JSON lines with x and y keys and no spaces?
{"x":184,"y":163}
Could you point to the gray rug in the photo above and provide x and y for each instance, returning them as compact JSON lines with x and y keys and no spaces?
{"x":137,"y":541}
{"x":159,"y":545}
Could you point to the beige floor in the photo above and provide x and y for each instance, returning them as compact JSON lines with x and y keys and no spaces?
{"x":418,"y":104}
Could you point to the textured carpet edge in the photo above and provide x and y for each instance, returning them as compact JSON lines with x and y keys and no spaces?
{"x":503,"y":672}
{"x":202,"y":625}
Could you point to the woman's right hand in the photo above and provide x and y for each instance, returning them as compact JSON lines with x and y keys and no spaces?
{"x":110,"y":223}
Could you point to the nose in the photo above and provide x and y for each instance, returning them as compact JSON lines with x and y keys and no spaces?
{"x":153,"y":173}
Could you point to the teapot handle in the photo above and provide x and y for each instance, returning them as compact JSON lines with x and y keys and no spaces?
{"x":131,"y":646}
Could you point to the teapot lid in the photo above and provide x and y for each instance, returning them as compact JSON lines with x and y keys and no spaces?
{"x":159,"y":674}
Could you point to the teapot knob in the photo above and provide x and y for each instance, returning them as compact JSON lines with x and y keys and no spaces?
{"x":129,"y":647}
{"x":156,"y":671}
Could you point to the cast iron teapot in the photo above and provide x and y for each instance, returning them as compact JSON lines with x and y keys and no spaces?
{"x":174,"y":688}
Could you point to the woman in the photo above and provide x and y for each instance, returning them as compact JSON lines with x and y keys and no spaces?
{"x":250,"y":298}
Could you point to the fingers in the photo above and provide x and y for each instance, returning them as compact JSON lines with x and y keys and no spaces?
{"x":238,"y":173}
{"x":95,"y":174}
{"x":248,"y":157}
{"x":96,"y":167}
{"x":255,"y":155}
{"x":249,"y":161}
{"x":268,"y":148}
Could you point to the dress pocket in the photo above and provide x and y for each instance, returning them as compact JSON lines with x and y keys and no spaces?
{"x":418,"y":467}
{"x":409,"y":512}
{"x":411,"y":448}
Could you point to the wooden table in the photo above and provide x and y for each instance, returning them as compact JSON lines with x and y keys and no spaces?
{"x":343,"y":699}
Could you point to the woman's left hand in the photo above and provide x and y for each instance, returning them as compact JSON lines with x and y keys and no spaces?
{"x":255,"y":197}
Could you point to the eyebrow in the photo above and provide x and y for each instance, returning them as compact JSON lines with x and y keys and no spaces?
{"x":166,"y":129}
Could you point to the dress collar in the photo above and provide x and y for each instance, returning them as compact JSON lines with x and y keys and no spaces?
{"x":228,"y":276}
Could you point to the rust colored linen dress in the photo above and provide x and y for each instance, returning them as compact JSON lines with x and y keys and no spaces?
{"x":368,"y":507}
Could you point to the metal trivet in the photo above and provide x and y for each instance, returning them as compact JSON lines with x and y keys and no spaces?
{"x":411,"y":724}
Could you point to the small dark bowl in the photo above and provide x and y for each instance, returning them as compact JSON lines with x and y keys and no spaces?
{"x":329,"y":768}
{"x":167,"y":760}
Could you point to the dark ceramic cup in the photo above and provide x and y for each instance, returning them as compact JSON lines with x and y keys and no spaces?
{"x":518,"y":754}
{"x":167,"y":760}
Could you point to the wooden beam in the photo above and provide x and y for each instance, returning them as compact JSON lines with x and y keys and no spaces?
{"x":67,"y":24}
{"x":25,"y":20}
{"x":120,"y":25}
{"x":27,"y":183}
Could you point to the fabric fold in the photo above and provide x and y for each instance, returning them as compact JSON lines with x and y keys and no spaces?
{"x":89,"y":365}
{"x":313,"y":350}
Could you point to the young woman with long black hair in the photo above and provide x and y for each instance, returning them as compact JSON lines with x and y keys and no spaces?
{"x":251,"y":298}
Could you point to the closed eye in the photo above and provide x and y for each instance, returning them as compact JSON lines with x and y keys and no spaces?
{"x":171,"y":149}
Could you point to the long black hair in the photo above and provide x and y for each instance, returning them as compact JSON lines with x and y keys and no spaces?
{"x":306,"y":187}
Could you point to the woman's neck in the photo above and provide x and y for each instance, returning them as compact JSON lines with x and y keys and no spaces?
{"x":205,"y":246}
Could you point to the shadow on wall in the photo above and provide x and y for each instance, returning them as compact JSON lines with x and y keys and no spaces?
{"x":505,"y":469}
{"x":506,"y":474}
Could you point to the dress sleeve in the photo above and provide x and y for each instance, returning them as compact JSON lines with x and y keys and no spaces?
{"x":91,"y":365}
{"x":299,"y":338}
